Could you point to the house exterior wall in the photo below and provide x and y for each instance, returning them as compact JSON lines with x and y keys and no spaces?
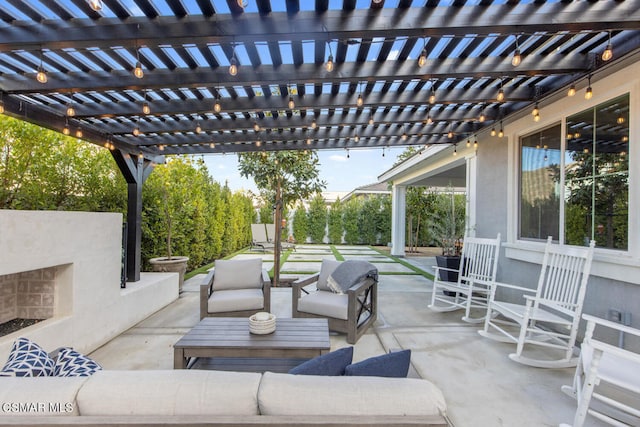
{"x":615,"y":276}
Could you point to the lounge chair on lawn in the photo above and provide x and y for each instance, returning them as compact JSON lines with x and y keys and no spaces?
{"x":259,"y":238}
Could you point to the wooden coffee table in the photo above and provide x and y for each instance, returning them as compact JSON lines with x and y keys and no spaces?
{"x":225,"y":343}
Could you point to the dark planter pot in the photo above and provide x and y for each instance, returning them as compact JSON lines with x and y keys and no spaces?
{"x":452,"y":262}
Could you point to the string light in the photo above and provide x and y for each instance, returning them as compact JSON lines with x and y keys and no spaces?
{"x":501,"y":132}
{"x":79,"y":132}
{"x":432,"y":96}
{"x":96,"y":5}
{"x":198,"y":127}
{"x":493,"y":131}
{"x":500,"y":96}
{"x":572,"y":90}
{"x":329,"y":64}
{"x":65,"y":129}
{"x":608,"y":51}
{"x":360,"y":100}
{"x":422,"y":59}
{"x":233,"y":66}
{"x":314,"y":124}
{"x":468,"y":143}
{"x":517,"y":57}
{"x":256,"y":126}
{"x":258,"y":143}
{"x":356,"y":138}
{"x":41,"y":75}
{"x":137,"y":71}
{"x":535,"y":110}
{"x":146,"y":109}
{"x":71,"y":111}
{"x":217,"y":107}
{"x":589,"y":92}
{"x":371,"y":122}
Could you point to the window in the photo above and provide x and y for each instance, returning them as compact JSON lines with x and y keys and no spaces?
{"x":587,"y":169}
{"x":540,"y":184}
{"x":597,"y":175}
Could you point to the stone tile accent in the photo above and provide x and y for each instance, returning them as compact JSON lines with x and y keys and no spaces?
{"x":28,"y":295}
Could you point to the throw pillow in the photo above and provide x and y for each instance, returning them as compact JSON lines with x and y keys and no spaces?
{"x":350,"y":273}
{"x":328,"y":266}
{"x":28,"y":359}
{"x":330,"y":364}
{"x":71,"y":363}
{"x":394,"y":364}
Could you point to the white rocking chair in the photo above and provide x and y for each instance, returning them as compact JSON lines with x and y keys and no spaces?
{"x":476,"y":273}
{"x":615,"y":366}
{"x":551,"y":313}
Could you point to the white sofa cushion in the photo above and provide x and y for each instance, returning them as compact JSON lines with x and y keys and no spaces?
{"x":320,"y":395}
{"x":235,"y":300}
{"x":170,"y":392}
{"x":237,"y":274}
{"x":39,"y":396}
{"x":325,"y":303}
{"x":328,"y":266}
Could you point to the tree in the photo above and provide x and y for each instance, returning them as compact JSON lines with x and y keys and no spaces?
{"x":335,"y":222}
{"x":288,"y":176}
{"x":367,"y":220}
{"x":350,"y":221}
{"x":317,"y":219}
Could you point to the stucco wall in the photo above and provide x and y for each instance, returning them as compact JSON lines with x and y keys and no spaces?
{"x":615,"y":276}
{"x":91,"y":307}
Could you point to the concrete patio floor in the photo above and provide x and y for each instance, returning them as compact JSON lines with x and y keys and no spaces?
{"x":482,"y":386}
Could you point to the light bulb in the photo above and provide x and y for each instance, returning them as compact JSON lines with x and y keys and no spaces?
{"x":79,"y":133}
{"x":198,"y":128}
{"x":536,"y":118}
{"x":535,"y":110}
{"x":161,"y":147}
{"x":500,"y":133}
{"x":308,"y":141}
{"x":422,"y":60}
{"x":217,"y":107}
{"x":482,"y":118}
{"x":572,"y":90}
{"x":357,"y":138}
{"x":450,"y":134}
{"x":429,"y":120}
{"x":146,"y":109}
{"x":468,"y":143}
{"x":620,"y":120}
{"x":404,"y":136}
{"x":589,"y":93}
{"x":608,"y":53}
{"x":291,"y":104}
{"x":41,"y":76}
{"x":432,"y":97}
{"x":70,"y":110}
{"x":212,"y":145}
{"x":360,"y":100}
{"x":256,"y":126}
{"x":96,"y":5}
{"x":517,"y":58}
{"x":65,"y":130}
{"x":329,"y":64}
{"x":314,"y":124}
{"x":258,"y":143}
{"x":138,"y":72}
{"x":500,"y":96}
{"x":136,"y":131}
{"x":455,"y":151}
{"x":493,"y":131}
{"x":475,"y":143}
{"x":371,"y":120}
{"x":233,"y":67}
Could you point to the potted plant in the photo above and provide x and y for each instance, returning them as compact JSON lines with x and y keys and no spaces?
{"x":169,"y":263}
{"x":447,"y":228}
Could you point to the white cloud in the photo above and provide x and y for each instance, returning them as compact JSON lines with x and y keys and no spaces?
{"x":337,"y":158}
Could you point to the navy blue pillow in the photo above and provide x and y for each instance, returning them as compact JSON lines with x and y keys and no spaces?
{"x":394,"y":364}
{"x":330,"y":364}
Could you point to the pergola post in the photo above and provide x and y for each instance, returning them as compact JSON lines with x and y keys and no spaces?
{"x":398,"y":210}
{"x":135,"y":171}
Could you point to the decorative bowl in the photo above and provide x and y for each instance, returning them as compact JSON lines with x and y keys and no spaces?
{"x":262,"y":323}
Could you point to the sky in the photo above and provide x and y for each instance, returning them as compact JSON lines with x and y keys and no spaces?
{"x":362,"y":167}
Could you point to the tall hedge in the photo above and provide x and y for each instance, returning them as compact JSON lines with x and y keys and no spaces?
{"x":335,"y":223}
{"x":350,"y":216}
{"x":317,"y":218}
{"x":300,"y":224}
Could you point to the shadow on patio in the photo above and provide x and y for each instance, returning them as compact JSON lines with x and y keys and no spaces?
{"x":481,"y":385}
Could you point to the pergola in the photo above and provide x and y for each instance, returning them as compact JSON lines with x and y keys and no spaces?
{"x":308,"y":74}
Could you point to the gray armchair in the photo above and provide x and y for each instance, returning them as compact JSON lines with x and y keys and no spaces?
{"x":351,"y":312}
{"x":235,"y":288}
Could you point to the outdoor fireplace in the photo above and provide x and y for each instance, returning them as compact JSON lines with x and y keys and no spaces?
{"x":26,"y":298}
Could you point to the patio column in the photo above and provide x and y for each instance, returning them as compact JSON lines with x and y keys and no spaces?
{"x":135,"y":171}
{"x":398,"y":210}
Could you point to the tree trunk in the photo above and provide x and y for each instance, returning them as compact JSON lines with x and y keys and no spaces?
{"x":276,"y":238}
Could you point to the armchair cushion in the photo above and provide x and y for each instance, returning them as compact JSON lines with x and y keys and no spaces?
{"x":235,"y":300}
{"x":325,"y":303}
{"x":350,"y":273}
{"x":237,"y":274}
{"x":329,"y":364}
{"x":395,"y":364}
{"x":328,"y":266}
{"x":71,"y":363}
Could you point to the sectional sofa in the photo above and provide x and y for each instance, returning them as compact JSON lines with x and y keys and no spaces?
{"x":216,"y":398}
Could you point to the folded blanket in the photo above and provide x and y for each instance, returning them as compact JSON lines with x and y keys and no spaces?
{"x":350,"y":273}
